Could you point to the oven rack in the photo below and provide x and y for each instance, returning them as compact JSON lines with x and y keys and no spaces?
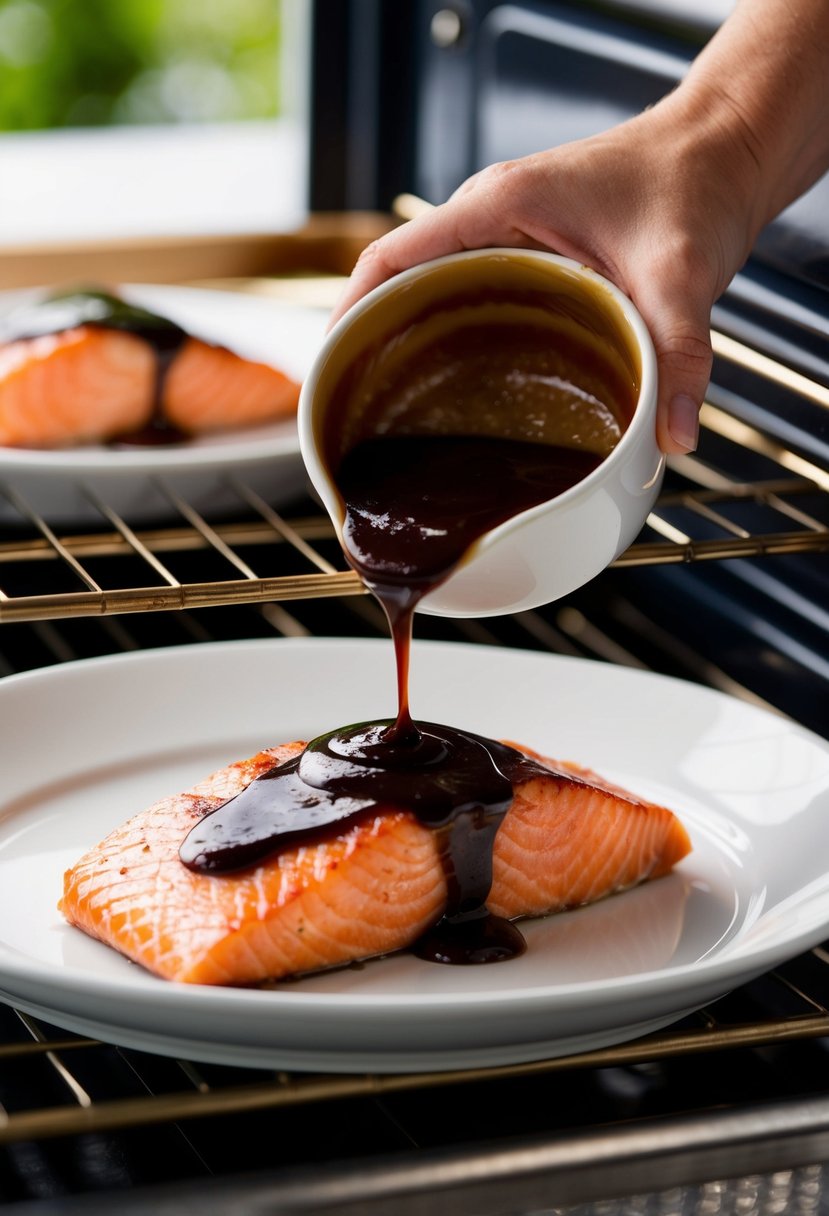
{"x":698,"y":522}
{"x":717,"y":1027}
{"x":620,"y":1157}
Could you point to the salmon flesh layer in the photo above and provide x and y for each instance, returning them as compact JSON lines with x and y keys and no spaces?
{"x":375,"y":886}
{"x":90,"y":384}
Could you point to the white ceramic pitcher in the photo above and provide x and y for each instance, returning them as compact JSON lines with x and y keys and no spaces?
{"x":551,"y":549}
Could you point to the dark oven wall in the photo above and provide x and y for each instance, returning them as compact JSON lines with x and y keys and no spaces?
{"x":416,"y":95}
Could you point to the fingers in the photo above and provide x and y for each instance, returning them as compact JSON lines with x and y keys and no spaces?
{"x":482,"y":212}
{"x":395,"y":251}
{"x":419,"y":240}
{"x":672,"y":280}
{"x":683,"y":352}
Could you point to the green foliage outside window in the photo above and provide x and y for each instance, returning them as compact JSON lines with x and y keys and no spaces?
{"x":82,"y":63}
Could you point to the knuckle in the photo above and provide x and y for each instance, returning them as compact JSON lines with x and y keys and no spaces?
{"x":377,"y":260}
{"x":501,"y":175}
{"x":687,"y":351}
{"x":370,"y":254}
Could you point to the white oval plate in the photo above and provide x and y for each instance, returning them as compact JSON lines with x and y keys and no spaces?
{"x":89,"y":743}
{"x":52,"y":482}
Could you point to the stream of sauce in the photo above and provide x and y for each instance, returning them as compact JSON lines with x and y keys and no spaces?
{"x":103,"y":310}
{"x":414,"y":505}
{"x":428,"y":454}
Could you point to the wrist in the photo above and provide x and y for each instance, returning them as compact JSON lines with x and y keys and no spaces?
{"x":709,"y":171}
{"x":722,"y":155}
{"x":758,"y":94}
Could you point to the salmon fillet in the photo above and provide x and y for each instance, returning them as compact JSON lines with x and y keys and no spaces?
{"x":371,"y":888}
{"x":76,"y":386}
{"x":209,"y":388}
{"x":92,"y":384}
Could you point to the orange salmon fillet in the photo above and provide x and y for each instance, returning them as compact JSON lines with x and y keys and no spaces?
{"x":76,"y":386}
{"x":374,"y":887}
{"x":209,"y":388}
{"x":90,"y":384}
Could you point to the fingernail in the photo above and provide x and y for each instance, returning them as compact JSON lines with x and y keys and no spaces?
{"x":683,"y":421}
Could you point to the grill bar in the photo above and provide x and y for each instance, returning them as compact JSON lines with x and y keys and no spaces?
{"x":770,"y":369}
{"x":676,"y":547}
{"x":288,"y":1090}
{"x":710,"y":491}
{"x":533,"y":1174}
{"x":539,"y":1175}
{"x":194,"y":595}
{"x":797,"y":989}
{"x":56,"y":606}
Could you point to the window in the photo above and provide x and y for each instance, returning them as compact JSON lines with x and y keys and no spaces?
{"x":122,"y":118}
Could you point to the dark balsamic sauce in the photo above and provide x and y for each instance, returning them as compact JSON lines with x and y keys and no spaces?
{"x":413,"y":508}
{"x":457,"y":783}
{"x":103,"y":310}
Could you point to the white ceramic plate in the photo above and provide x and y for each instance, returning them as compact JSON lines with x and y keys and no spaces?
{"x":266,"y":457}
{"x":87,"y":744}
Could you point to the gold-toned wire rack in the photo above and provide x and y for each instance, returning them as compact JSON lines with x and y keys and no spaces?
{"x":707,"y":501}
{"x":711,"y":1029}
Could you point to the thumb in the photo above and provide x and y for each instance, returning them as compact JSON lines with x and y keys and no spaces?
{"x":684,"y":357}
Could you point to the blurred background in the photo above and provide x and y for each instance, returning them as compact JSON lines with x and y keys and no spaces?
{"x":187,"y":113}
{"x":137,"y":61}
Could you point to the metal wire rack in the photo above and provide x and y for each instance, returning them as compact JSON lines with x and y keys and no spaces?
{"x":587,"y":1163}
{"x":707,"y":531}
{"x":716,"y":1028}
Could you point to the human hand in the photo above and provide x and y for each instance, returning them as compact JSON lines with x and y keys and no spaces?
{"x":657,"y":205}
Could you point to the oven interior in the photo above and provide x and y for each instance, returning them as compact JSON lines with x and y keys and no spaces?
{"x":724,"y":1111}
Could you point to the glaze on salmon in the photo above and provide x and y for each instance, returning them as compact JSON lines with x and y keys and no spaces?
{"x":371,"y":887}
